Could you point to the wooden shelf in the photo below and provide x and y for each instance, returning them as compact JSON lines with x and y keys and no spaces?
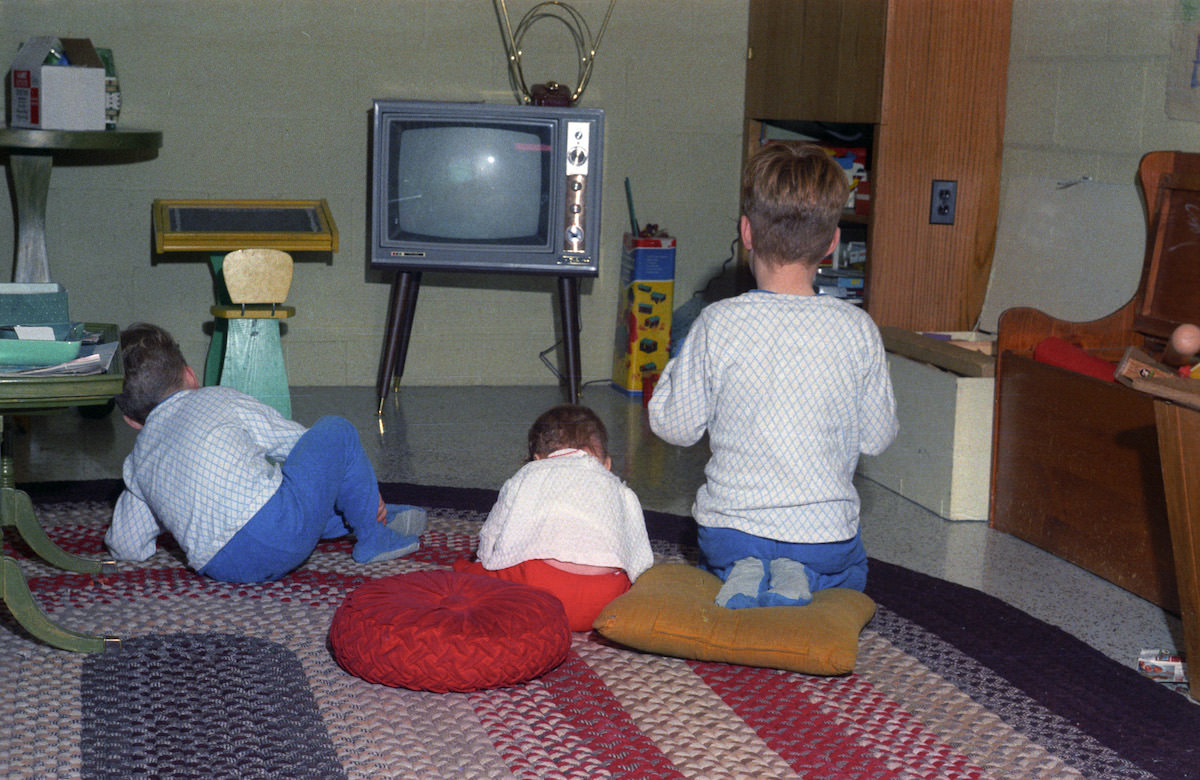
{"x":929,"y":76}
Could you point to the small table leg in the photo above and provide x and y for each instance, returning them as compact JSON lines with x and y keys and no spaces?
{"x":20,"y":603}
{"x":31,"y":184}
{"x":16,"y":510}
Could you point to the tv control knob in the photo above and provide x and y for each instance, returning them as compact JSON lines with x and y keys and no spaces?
{"x":574,"y":233}
{"x":577,"y":156}
{"x":575,"y":184}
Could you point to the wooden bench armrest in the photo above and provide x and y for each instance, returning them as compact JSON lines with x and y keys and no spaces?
{"x":1022,"y":329}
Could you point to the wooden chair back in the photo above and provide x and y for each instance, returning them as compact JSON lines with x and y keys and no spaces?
{"x":1075,"y":459}
{"x":257,"y":275}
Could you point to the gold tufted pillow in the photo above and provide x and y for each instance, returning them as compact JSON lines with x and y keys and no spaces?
{"x":670,"y":611}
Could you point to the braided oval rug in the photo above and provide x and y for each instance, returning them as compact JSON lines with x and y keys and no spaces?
{"x":218,"y":680}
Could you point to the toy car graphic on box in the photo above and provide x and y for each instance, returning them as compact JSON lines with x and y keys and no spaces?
{"x":1162,"y":665}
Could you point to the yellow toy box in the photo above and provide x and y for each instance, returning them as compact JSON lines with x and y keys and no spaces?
{"x":643,"y":332}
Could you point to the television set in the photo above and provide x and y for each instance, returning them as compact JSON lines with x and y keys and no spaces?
{"x":485,"y":187}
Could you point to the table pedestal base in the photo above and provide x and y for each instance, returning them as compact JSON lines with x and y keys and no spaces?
{"x":253,"y":363}
{"x":16,"y":510}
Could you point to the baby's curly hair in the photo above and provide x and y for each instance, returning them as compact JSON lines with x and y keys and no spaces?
{"x":154,"y":367}
{"x":565,"y":427}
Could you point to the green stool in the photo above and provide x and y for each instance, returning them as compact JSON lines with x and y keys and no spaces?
{"x":258,"y":281}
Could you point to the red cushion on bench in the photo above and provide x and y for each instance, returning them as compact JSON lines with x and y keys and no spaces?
{"x":448,"y":631}
{"x":1056,"y":352}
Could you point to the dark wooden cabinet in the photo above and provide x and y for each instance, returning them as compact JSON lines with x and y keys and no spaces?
{"x":929,"y":77}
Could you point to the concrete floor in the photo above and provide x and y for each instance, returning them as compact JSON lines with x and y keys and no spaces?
{"x":475,"y":437}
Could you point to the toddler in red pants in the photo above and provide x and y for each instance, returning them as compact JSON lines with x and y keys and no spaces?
{"x":564,"y":522}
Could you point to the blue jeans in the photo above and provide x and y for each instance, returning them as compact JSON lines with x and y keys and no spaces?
{"x":329,"y":488}
{"x":830,"y":564}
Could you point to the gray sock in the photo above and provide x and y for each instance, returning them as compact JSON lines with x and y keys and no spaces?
{"x":744,"y":581}
{"x":406,"y":519}
{"x":788,"y":584}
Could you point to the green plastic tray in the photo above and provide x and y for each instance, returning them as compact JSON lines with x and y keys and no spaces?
{"x":43,"y":393}
{"x":22,"y":352}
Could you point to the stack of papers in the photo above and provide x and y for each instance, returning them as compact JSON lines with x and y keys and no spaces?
{"x":93,"y":359}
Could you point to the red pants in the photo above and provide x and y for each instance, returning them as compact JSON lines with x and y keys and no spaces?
{"x":583,"y":595}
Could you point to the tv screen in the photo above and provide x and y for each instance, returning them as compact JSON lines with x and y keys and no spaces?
{"x":482,"y":187}
{"x":484,"y":184}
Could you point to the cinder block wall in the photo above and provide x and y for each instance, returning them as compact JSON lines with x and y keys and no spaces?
{"x":1087,"y":87}
{"x":269,"y":100}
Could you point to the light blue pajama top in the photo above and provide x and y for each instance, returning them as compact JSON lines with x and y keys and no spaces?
{"x":203,"y":464}
{"x":791,"y":390}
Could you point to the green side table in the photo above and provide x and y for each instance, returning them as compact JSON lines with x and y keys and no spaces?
{"x":37,"y":395}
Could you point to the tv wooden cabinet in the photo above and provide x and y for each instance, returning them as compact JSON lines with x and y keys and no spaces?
{"x":929,"y":76}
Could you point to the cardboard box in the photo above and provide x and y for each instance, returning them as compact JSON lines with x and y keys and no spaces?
{"x":1162,"y":665}
{"x":57,"y":97}
{"x":643,"y":332}
{"x":941,"y":458}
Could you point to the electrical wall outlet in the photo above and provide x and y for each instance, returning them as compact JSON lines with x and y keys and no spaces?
{"x":942,"y":202}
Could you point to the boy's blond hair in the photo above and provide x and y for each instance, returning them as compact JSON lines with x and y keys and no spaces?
{"x":793,"y":194}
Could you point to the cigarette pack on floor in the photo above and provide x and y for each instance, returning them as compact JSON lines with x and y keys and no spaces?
{"x":1162,"y":665}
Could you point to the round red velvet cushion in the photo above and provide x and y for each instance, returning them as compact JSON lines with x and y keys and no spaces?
{"x":448,"y":631}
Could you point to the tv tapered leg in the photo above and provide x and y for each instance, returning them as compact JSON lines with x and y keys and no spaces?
{"x":402,"y":305}
{"x":568,"y":307}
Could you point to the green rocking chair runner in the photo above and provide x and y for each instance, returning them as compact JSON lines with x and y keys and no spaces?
{"x":258,"y":281}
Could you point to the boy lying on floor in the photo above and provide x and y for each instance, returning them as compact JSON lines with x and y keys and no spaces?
{"x":245,"y":492}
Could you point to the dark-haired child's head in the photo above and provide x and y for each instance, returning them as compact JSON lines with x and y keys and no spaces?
{"x":793,"y":194}
{"x":154,"y":369}
{"x":569,"y":426}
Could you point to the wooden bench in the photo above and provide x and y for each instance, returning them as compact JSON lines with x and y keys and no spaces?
{"x":1076,"y":468}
